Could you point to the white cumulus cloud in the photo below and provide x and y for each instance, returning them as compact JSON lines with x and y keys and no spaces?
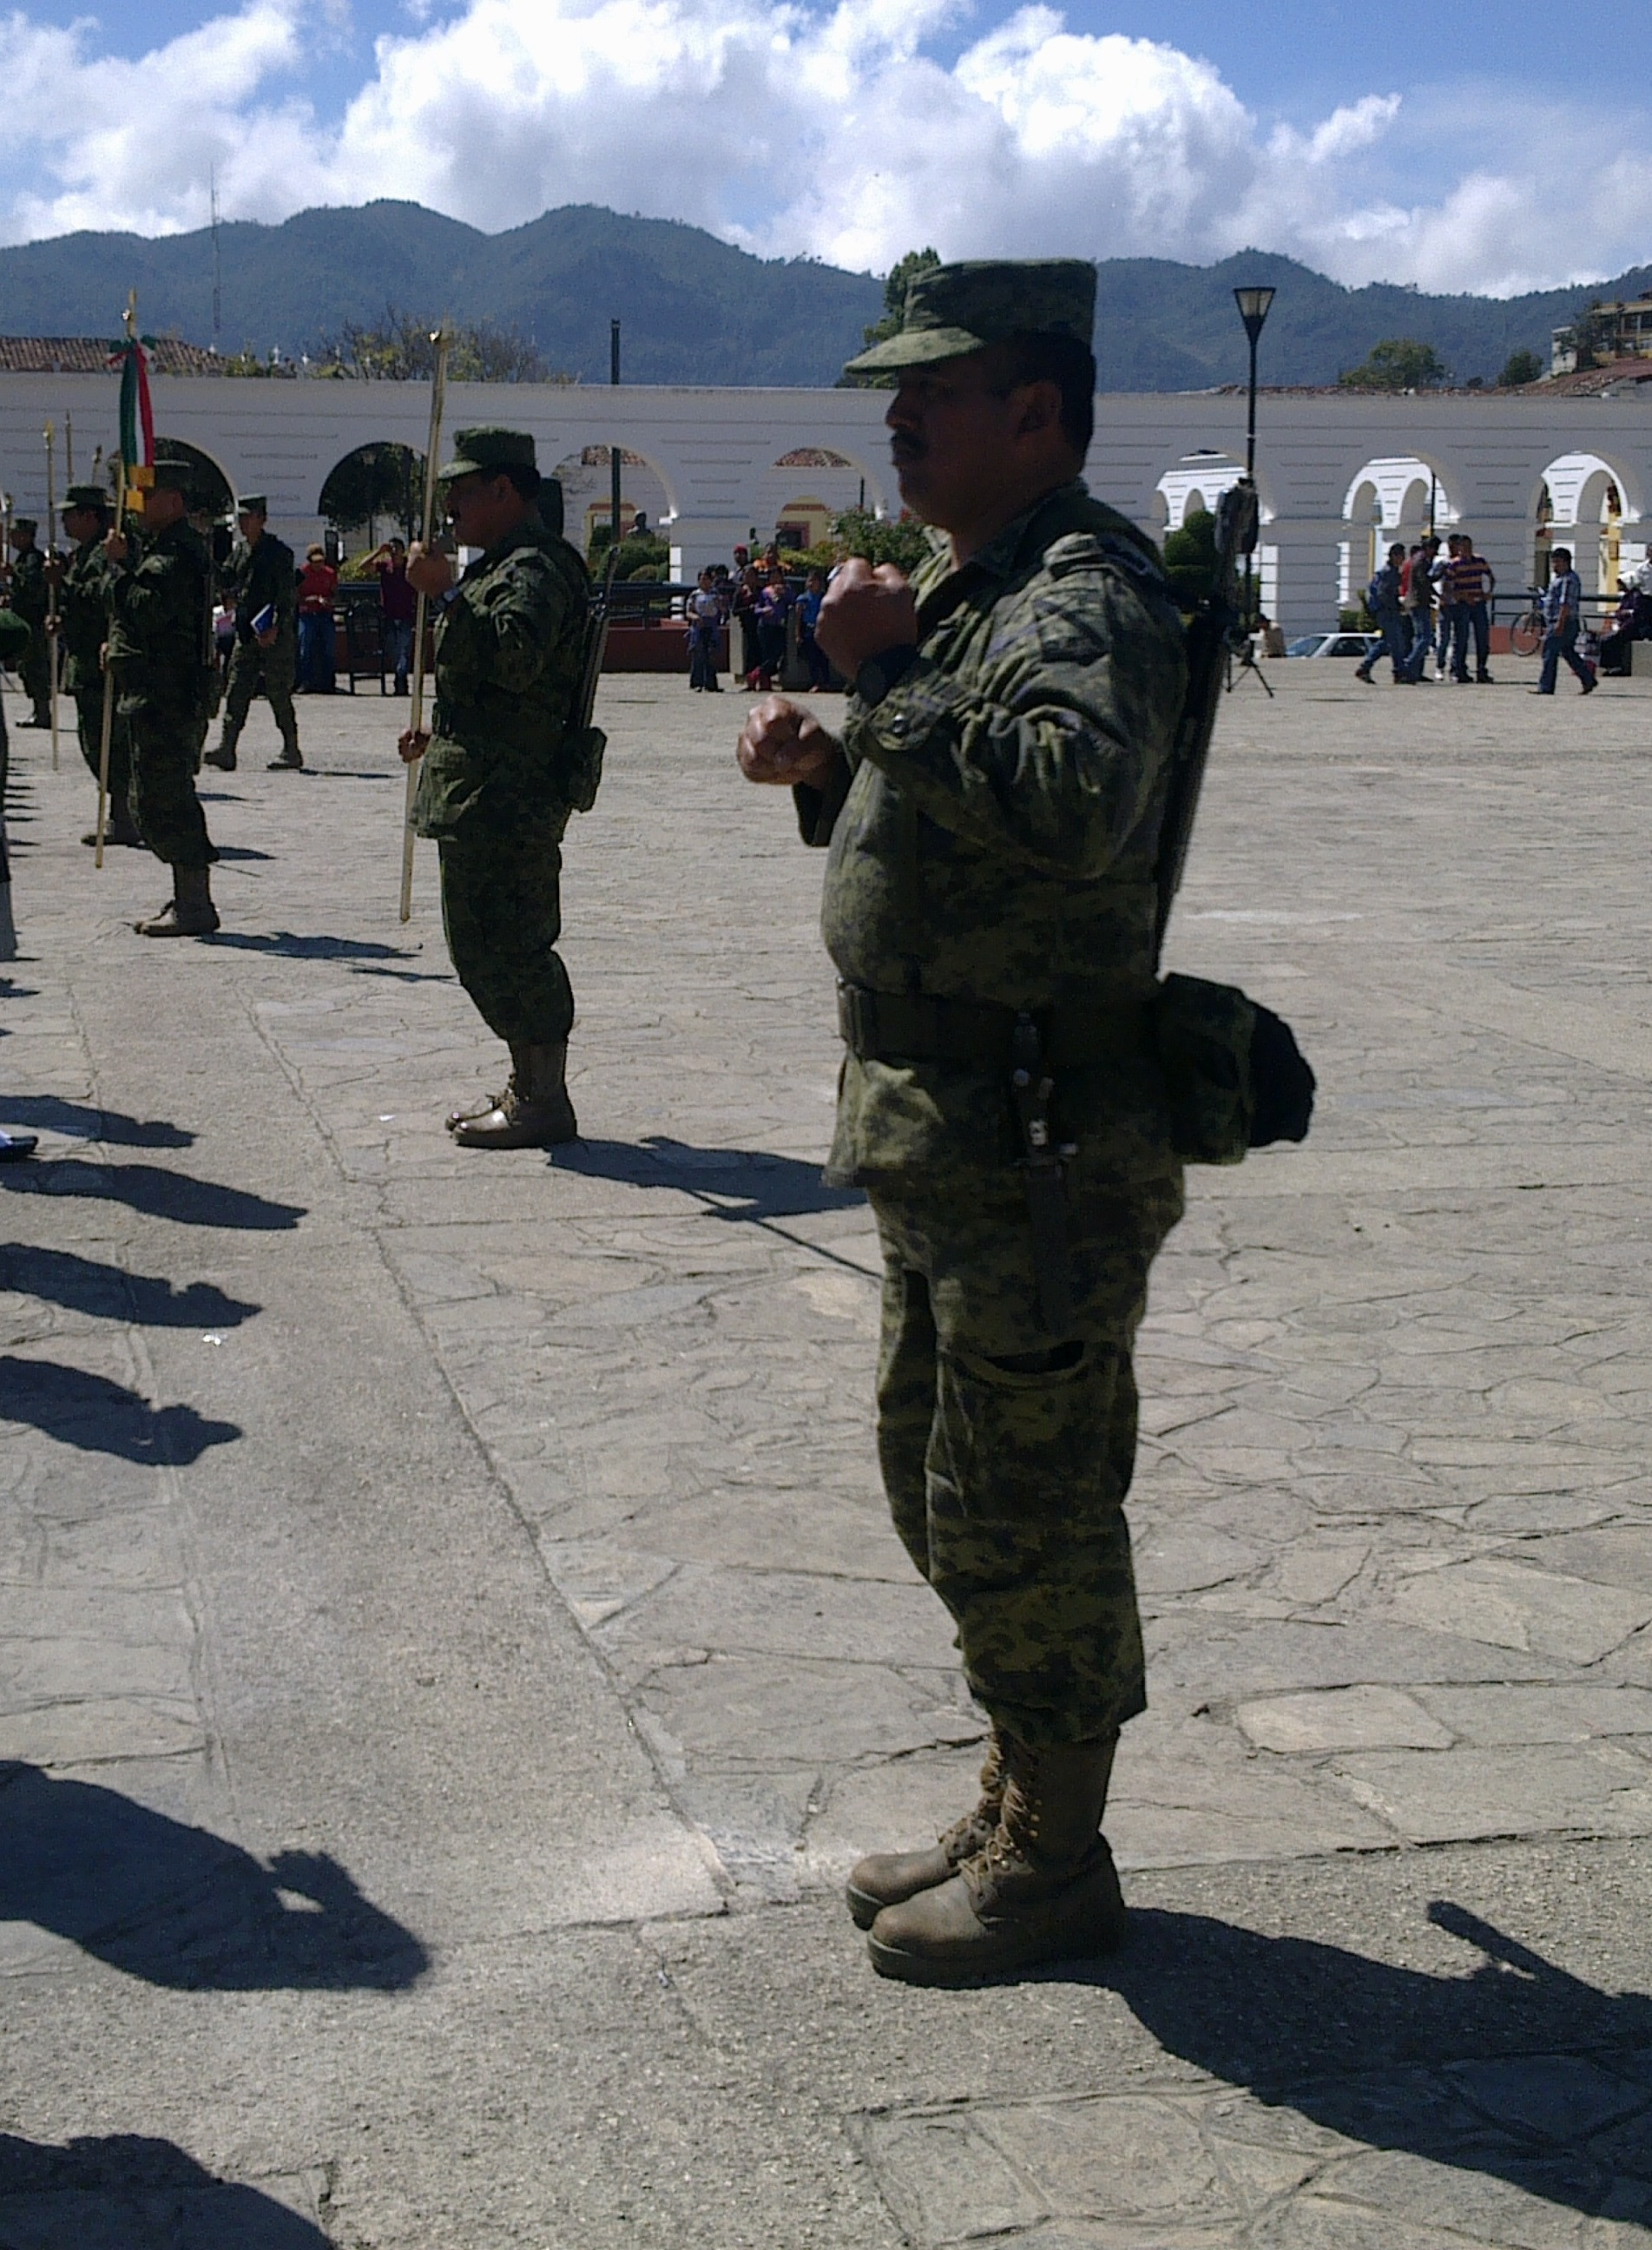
{"x":833,"y":131}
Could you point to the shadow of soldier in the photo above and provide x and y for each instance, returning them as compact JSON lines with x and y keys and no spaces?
{"x":738,"y":1183}
{"x":98,"y":1416}
{"x":1516,"y":2071}
{"x":177,"y":1906}
{"x":139,"y":2193}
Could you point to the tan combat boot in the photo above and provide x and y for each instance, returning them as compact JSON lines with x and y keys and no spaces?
{"x":1044,"y":1889}
{"x":533,"y":1113}
{"x":884,"y":1878}
{"x":189,"y":913}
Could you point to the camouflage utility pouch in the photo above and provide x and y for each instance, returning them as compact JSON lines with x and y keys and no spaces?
{"x":580,"y":766}
{"x":1235,"y":1077}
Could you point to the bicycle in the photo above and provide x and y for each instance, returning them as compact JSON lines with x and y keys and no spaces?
{"x":1526,"y":634}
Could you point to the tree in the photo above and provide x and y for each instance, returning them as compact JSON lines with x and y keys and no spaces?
{"x":877,"y":539}
{"x":399,"y":350}
{"x":1190,"y":558}
{"x":1521,"y":367}
{"x":1398,"y":363}
{"x":895,"y":288}
{"x":379,"y":479}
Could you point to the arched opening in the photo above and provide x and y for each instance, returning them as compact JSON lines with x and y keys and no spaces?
{"x":1585,"y":503}
{"x":376,"y":491}
{"x":587,"y":494}
{"x":800,"y":497}
{"x":1195,"y":486}
{"x":1398,"y":497}
{"x":210,"y":493}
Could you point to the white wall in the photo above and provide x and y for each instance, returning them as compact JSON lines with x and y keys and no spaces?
{"x":714,"y":452}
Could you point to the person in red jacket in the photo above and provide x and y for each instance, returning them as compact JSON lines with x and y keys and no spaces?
{"x":317,"y":588}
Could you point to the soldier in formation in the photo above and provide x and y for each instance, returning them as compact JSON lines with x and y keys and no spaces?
{"x":506,"y":761}
{"x":992,"y":812}
{"x":262,"y":578}
{"x":82,"y":624}
{"x":159,"y":649}
{"x":30,"y":599}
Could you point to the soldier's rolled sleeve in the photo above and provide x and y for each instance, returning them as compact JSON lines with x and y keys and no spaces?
{"x":1053,"y":759}
{"x":818,"y":808}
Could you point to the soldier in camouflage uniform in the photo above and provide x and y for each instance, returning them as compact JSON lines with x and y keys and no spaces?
{"x":161,"y":654}
{"x":992,"y":812}
{"x":30,"y":599}
{"x":497,"y":785}
{"x":261,"y":575}
{"x":82,"y":623}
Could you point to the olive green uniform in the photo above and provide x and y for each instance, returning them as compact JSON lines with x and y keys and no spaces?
{"x":159,"y":651}
{"x":261,"y":575}
{"x":83,"y":612}
{"x":493,"y":790}
{"x":32,"y":600}
{"x":993,"y":823}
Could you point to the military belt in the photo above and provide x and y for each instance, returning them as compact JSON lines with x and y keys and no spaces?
{"x":926,"y":1028}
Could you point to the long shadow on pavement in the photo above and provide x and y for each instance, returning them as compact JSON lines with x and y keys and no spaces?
{"x":1491,"y":2072}
{"x":154,"y":1192}
{"x":179,"y":1907}
{"x":746,"y":1183}
{"x":48,"y":1114}
{"x":109,"y":1293}
{"x":101,"y":1417}
{"x":140,"y":2193}
{"x":292,"y":948}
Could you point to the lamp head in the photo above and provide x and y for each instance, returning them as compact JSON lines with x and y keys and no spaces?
{"x":1252,"y":308}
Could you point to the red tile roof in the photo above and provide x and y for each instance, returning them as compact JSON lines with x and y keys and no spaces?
{"x":90,"y":355}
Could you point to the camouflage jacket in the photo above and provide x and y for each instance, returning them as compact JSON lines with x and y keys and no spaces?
{"x":161,"y":623}
{"x":83,"y":612}
{"x":510,"y":662}
{"x":260,"y":577}
{"x":30,"y":597}
{"x":993,"y":823}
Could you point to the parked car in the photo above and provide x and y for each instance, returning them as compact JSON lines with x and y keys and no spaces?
{"x":1336,"y":644}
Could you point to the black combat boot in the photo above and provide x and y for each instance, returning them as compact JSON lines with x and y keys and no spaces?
{"x":1044,"y":1889}
{"x":535,"y":1111}
{"x":189,"y":913}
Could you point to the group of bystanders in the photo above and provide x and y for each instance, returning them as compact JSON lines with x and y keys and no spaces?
{"x":1424,"y":603}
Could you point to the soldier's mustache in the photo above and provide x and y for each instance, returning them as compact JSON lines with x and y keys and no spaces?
{"x":905,"y":447}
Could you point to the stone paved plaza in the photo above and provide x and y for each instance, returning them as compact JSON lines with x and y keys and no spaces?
{"x":452,"y":1645}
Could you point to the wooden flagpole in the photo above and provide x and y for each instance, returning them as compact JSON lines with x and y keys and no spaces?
{"x":108,"y":677}
{"x":53,"y":567}
{"x":416,"y":715}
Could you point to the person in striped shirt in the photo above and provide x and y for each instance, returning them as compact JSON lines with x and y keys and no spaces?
{"x":1472,"y":581}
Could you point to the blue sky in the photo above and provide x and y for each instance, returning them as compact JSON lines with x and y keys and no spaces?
{"x":1479,"y":146}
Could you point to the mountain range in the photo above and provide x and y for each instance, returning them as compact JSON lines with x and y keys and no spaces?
{"x":696,"y":310}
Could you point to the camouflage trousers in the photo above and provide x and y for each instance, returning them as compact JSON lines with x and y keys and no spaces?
{"x":166,"y":750}
{"x":1007,"y":1454}
{"x":88,"y":704}
{"x":253,"y":668}
{"x":35,"y":671}
{"x":501,"y":910}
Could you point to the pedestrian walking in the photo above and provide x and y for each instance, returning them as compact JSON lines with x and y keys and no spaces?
{"x":161,"y":654}
{"x":1416,"y":598}
{"x":82,"y":625}
{"x":1383,"y":601}
{"x":506,"y":762}
{"x":261,"y":577}
{"x":1473,"y":584}
{"x":809,"y":648}
{"x":1562,"y":616}
{"x":993,"y":813}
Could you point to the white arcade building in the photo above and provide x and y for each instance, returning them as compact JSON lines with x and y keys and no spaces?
{"x":1339,"y":473}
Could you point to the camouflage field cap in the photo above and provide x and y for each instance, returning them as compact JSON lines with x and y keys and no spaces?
{"x":177,"y":476}
{"x":951,"y":309}
{"x":488,"y":452}
{"x":85,"y":496}
{"x":251,"y":504}
{"x":24,"y":523}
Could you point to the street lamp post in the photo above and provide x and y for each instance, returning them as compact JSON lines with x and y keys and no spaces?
{"x":1254,"y":305}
